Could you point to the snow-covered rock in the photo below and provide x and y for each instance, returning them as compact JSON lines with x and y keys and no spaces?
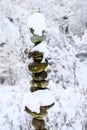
{"x":42,"y":47}
{"x":36,"y":99}
{"x":37,"y":22}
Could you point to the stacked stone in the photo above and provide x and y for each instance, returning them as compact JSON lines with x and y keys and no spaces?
{"x":38,"y":82}
{"x":38,"y":71}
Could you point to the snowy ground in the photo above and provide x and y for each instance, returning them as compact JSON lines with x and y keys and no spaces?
{"x":66,"y":22}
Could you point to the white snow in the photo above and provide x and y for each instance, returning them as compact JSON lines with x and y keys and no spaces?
{"x":82,"y":74}
{"x":36,"y":99}
{"x":37,"y":22}
{"x":66,"y":36}
{"x":9,"y":107}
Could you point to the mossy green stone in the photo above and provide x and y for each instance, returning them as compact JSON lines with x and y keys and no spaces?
{"x":45,"y":108}
{"x":39,"y":76}
{"x":38,"y":123}
{"x":33,"y":89}
{"x":37,"y":67}
{"x":36,"y":115}
{"x":37,"y":39}
{"x":40,"y":84}
{"x":36,"y":55}
{"x":38,"y":60}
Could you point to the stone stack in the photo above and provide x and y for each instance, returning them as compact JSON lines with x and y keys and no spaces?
{"x":38,"y":82}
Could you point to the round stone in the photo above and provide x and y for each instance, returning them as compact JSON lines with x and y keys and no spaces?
{"x":38,"y":123}
{"x":37,"y":67}
{"x":40,"y":84}
{"x":39,"y":76}
{"x":36,"y":55}
{"x":37,"y":39}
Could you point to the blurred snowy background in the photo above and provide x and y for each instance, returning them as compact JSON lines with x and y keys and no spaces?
{"x":66,"y":38}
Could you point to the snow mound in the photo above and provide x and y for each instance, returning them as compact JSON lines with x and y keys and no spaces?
{"x":37,"y":22}
{"x":36,"y":99}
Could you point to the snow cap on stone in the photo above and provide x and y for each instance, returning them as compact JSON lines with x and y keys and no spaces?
{"x":37,"y":22}
{"x":42,"y":47}
{"x":36,"y":99}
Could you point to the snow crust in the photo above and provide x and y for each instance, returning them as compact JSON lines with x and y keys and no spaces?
{"x":37,"y":22}
{"x":36,"y":99}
